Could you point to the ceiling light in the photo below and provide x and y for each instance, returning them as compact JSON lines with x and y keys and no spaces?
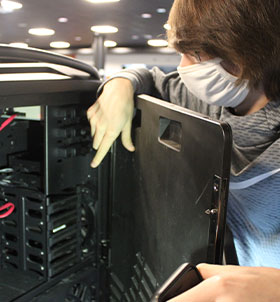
{"x":62,"y":20}
{"x":146,"y":16}
{"x":104,"y":29}
{"x":157,"y":43}
{"x":41,"y":31}
{"x":63,"y":51}
{"x":78,"y":38}
{"x":109,"y":43}
{"x":102,"y":1}
{"x":10,"y":5}
{"x":85,"y":51}
{"x":161,"y":10}
{"x":134,"y":37}
{"x":167,"y":50}
{"x":19,"y":44}
{"x":122,"y":50}
{"x":59,"y":44}
{"x":167,"y":26}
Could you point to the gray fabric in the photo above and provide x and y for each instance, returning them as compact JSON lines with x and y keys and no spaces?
{"x":254,"y":212}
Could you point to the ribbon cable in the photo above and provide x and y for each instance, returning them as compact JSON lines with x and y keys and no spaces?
{"x":10,"y":206}
{"x":252,"y":181}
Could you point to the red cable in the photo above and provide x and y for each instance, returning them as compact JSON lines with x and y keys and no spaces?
{"x":7,"y":121}
{"x":7,"y":206}
{"x":11,"y":207}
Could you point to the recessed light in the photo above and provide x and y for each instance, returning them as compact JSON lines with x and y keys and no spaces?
{"x":146,"y":16}
{"x":41,"y":31}
{"x":102,"y":1}
{"x":157,"y":43}
{"x":63,"y":51}
{"x":19,"y":44}
{"x":109,"y":43}
{"x":62,"y":20}
{"x":104,"y":29}
{"x":161,"y":10}
{"x":10,"y":5}
{"x":122,"y":50}
{"x":85,"y":51}
{"x":167,"y":26}
{"x":167,"y":50}
{"x":59,"y":44}
{"x":78,"y":38}
{"x":134,"y":37}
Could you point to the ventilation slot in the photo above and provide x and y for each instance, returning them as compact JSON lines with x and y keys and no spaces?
{"x":10,"y":237}
{"x":35,"y":244}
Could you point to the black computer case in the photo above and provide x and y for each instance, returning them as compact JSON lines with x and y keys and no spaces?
{"x":114,"y":233}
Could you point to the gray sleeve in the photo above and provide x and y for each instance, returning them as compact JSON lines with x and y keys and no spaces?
{"x":168,"y":87}
{"x":141,"y":80}
{"x":153,"y":82}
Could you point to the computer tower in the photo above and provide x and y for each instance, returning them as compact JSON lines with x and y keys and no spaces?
{"x":114,"y":233}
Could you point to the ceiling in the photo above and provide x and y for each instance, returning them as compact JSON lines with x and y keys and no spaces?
{"x":134,"y":31}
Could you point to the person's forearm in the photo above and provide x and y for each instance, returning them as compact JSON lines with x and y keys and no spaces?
{"x":141,"y":80}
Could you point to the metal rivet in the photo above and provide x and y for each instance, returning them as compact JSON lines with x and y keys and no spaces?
{"x":212,"y":211}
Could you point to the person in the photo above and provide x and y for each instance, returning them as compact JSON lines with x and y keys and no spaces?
{"x":230,"y":70}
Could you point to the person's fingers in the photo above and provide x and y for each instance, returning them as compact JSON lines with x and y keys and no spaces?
{"x":104,"y":147}
{"x":92,"y":128}
{"x":209,"y":270}
{"x":100,"y":131}
{"x":126,"y":137}
{"x":92,"y":110}
{"x":93,"y":122}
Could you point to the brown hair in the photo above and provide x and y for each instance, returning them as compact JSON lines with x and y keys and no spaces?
{"x":243,"y":32}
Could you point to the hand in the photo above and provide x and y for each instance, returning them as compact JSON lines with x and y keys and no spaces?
{"x":111,"y":115}
{"x":234,"y":284}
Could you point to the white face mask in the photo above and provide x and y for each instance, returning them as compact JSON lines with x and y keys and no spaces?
{"x":211,"y":83}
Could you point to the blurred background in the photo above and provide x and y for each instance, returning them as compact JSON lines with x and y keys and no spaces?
{"x":132,"y":31}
